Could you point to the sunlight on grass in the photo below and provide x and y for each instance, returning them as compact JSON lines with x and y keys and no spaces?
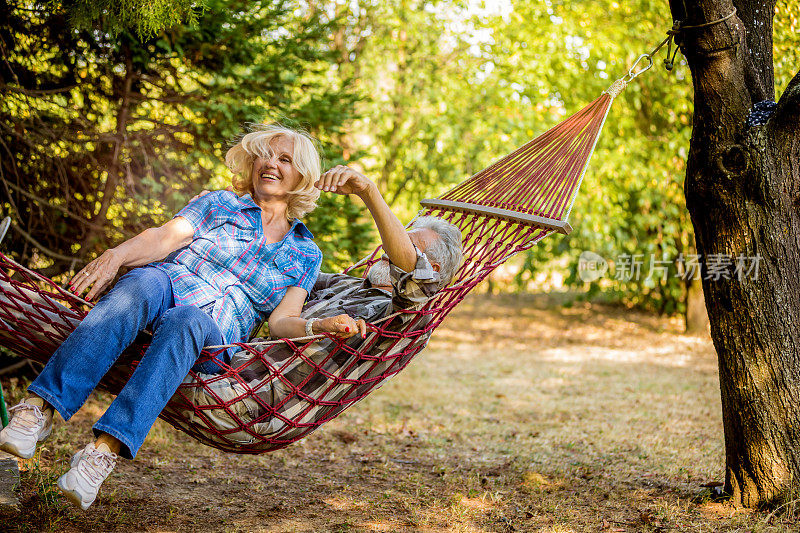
{"x":541,"y":419}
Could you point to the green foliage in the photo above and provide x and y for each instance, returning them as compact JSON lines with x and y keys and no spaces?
{"x":340,"y":227}
{"x":145,"y":18}
{"x":105,"y":135}
{"x":785,"y":49}
{"x":448,"y":88}
{"x":558,"y":57}
{"x":631,"y":202}
{"x":100,"y":126}
{"x":452,"y":88}
{"x":419,"y":121}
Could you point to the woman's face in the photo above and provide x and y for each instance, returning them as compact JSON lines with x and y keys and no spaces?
{"x":274,"y":176}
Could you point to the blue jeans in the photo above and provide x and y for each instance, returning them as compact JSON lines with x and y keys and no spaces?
{"x":141,"y":299}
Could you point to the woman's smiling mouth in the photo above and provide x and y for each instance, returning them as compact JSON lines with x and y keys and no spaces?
{"x":269,"y":176}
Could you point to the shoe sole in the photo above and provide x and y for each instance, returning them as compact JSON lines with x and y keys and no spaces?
{"x":13,"y":450}
{"x":72,"y":495}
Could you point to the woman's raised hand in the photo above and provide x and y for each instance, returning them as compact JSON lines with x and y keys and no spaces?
{"x":342,"y":326}
{"x":344,"y":180}
{"x":98,"y":274}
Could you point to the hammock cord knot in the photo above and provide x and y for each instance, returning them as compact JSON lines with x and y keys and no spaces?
{"x":616,"y":88}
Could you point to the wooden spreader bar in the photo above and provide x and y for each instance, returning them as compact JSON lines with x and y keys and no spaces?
{"x":560,"y":226}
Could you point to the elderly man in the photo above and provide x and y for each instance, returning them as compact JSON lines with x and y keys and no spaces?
{"x":417,"y":263}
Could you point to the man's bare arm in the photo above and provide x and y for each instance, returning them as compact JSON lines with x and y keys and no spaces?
{"x":396,"y":243}
{"x":286,"y":322}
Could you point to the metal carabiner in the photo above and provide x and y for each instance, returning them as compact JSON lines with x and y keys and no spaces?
{"x":632,"y":73}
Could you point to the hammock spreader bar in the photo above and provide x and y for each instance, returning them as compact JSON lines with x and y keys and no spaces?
{"x":536,"y":184}
{"x":504,"y":214}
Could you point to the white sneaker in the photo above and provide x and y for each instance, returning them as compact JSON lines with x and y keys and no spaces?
{"x":90,"y":467}
{"x":27,"y":428}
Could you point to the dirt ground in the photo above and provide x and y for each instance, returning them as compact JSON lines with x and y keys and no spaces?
{"x":522,"y":415}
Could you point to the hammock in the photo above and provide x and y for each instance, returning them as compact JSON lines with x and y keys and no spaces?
{"x":501,"y":211}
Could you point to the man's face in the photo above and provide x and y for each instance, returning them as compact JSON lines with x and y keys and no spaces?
{"x":378,"y":274}
{"x":422,"y":238}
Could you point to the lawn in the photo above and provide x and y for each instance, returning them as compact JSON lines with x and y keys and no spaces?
{"x":522,"y":415}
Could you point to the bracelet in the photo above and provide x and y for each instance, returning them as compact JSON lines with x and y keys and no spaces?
{"x":309,"y":325}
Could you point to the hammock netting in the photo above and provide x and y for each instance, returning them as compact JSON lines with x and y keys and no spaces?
{"x":501,"y":211}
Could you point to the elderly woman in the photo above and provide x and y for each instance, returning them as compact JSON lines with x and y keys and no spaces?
{"x":225,"y":262}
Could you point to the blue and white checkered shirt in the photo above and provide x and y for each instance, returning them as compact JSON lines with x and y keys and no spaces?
{"x":230,"y":269}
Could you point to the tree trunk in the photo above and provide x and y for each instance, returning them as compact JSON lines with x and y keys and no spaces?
{"x":696,"y":314}
{"x":743,"y":197}
{"x":114,"y":170}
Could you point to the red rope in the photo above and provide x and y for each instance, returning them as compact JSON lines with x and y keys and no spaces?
{"x":377,"y":360}
{"x":540,"y":178}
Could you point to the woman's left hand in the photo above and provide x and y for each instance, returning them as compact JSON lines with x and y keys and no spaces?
{"x":98,"y":274}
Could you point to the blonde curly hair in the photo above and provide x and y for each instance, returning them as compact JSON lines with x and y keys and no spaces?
{"x":305,"y":159}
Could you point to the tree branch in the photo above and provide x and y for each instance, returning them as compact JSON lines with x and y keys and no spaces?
{"x":787,"y":114}
{"x":36,"y":92}
{"x":113,"y":171}
{"x":41,"y":247}
{"x":43,"y":202}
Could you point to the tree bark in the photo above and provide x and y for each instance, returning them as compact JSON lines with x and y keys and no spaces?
{"x":743,"y":197}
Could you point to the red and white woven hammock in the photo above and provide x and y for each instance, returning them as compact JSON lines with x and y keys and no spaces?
{"x":501,"y":211}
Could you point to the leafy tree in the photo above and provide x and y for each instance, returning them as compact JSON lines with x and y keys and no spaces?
{"x":418,"y":124}
{"x":468,"y":86}
{"x":630,"y":209}
{"x":144,"y":18}
{"x":102,"y":135}
{"x":741,"y":191}
{"x":447,"y":89}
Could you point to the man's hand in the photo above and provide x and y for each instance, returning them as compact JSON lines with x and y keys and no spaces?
{"x":344,"y":180}
{"x":206,"y":191}
{"x":342,"y":326}
{"x":199,"y":195}
{"x":396,"y":242}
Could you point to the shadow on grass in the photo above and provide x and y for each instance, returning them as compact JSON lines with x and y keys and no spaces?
{"x":516,"y":418}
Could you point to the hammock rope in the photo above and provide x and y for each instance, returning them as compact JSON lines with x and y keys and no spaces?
{"x":501,"y":211}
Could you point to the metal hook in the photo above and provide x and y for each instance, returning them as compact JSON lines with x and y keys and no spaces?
{"x":632,"y":73}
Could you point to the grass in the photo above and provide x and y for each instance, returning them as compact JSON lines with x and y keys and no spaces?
{"x":520,"y":416}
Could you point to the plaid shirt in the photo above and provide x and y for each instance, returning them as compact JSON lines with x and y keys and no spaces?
{"x":231,"y":270}
{"x":331,"y":368}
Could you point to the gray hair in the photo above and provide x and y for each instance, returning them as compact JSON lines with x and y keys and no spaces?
{"x":446,"y":251}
